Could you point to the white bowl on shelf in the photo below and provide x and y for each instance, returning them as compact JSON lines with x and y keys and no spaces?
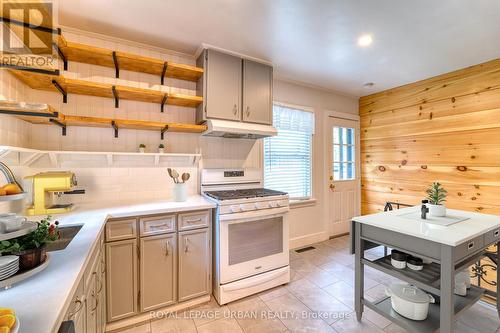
{"x":11,"y":223}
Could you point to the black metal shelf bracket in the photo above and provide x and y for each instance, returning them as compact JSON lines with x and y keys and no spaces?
{"x":55,"y":72}
{"x":163,"y":130}
{"x":113,"y":124}
{"x":62,"y":56}
{"x":30,"y":113}
{"x":115,"y":95}
{"x":163,"y":102}
{"x":117,"y":67}
{"x":61,"y":90}
{"x":163,"y":72}
{"x":58,"y":123}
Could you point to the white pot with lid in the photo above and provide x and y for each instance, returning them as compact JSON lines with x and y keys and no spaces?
{"x":409,"y":301}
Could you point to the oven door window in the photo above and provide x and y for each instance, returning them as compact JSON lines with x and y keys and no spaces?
{"x":255,"y":239}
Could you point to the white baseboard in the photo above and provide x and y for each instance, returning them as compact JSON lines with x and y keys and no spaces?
{"x":305,"y":240}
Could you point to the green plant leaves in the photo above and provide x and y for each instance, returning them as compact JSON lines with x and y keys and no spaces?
{"x":436,"y":194}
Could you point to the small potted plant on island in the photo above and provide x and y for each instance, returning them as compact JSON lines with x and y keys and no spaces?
{"x":142,"y":148}
{"x":31,"y":247}
{"x":437,"y":196}
{"x":161,"y":148}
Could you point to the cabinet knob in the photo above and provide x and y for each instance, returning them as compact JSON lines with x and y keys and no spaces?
{"x":186,"y":247}
{"x":332,"y":186}
{"x":166,"y":248}
{"x":248,"y":111}
{"x":235,"y":109}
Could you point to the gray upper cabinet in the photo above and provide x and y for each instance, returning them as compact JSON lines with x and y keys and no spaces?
{"x":234,"y":89}
{"x":222,"y":86}
{"x":257,"y":92}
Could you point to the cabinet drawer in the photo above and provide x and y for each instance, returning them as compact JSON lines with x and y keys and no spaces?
{"x":157,"y":225}
{"x":468,"y":248}
{"x":76,"y":305}
{"x":492,"y":236}
{"x":194,"y":220}
{"x":121,"y":229}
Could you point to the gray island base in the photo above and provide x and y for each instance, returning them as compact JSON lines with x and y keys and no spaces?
{"x":451,"y":249}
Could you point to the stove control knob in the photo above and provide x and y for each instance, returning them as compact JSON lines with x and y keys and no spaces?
{"x":273,"y":204}
{"x":235,"y":208}
{"x":256,"y":205}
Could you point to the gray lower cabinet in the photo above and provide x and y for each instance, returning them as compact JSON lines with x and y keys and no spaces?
{"x":76,"y":311}
{"x":158,"y":271}
{"x":121,"y":279}
{"x":165,"y":259}
{"x":88,"y":304}
{"x":90,"y":311}
{"x":194,"y":263}
{"x":101,"y":292}
{"x":257,"y":92}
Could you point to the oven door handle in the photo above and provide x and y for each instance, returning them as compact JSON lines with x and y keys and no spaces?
{"x":253,"y":215}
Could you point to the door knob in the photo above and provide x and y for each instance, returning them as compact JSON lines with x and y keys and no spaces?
{"x":332,"y":186}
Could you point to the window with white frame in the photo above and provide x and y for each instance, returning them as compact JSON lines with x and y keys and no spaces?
{"x":288,"y":156}
{"x":344,"y":167}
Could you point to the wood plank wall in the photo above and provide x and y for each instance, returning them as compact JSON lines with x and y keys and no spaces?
{"x":446,"y":129}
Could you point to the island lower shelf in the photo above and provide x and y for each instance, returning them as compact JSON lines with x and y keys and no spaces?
{"x":431,"y":324}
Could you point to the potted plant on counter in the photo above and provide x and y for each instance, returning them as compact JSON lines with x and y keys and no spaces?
{"x":161,"y":148}
{"x":142,"y":148}
{"x":436,"y":195}
{"x":31,"y":247}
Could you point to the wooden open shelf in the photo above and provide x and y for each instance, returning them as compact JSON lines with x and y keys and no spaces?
{"x":33,"y":112}
{"x":127,"y":61}
{"x":82,"y":87}
{"x":45,"y":114}
{"x":131,"y":124}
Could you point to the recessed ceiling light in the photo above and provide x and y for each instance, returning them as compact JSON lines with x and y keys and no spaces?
{"x":368,"y":84}
{"x":365,"y":40}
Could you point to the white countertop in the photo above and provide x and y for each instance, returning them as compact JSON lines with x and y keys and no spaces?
{"x":41,"y":301}
{"x":455,"y":234}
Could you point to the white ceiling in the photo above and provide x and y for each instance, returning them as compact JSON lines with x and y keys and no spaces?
{"x":311,"y":41}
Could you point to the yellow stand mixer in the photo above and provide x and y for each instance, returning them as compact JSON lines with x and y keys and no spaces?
{"x":45,"y":185}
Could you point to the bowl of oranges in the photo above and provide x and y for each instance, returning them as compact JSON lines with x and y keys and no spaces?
{"x":8,"y":321}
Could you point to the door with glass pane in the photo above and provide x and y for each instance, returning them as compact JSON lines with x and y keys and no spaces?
{"x":344,"y":186}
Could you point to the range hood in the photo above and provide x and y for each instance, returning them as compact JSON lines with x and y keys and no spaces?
{"x":239,"y":130}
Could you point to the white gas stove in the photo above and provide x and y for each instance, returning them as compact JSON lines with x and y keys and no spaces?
{"x":251,"y":233}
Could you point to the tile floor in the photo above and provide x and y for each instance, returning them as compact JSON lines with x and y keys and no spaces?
{"x":320,"y":298}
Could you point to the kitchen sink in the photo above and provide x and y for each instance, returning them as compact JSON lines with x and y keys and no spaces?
{"x":67,"y":234}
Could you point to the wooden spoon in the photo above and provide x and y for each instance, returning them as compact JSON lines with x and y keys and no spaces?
{"x":171,"y":174}
{"x":175,"y":175}
{"x":185,"y":177}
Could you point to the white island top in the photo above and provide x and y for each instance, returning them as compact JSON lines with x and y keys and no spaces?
{"x":475,"y":224}
{"x":41,"y":301}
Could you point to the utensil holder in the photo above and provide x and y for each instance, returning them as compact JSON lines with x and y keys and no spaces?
{"x":180,"y":192}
